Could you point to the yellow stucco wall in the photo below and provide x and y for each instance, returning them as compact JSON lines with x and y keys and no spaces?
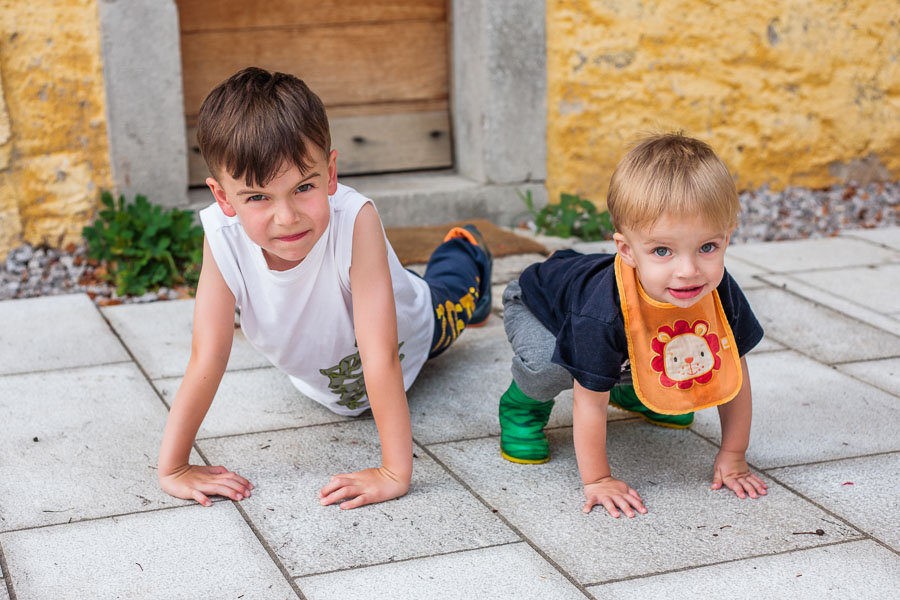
{"x":788,"y":92}
{"x":54,"y":158}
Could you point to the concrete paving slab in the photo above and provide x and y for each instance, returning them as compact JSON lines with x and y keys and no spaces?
{"x":457,"y":394}
{"x":289,"y":468}
{"x":79,"y":444}
{"x":688,"y":524}
{"x":604,"y":247}
{"x":254,"y":400}
{"x":746,"y":274}
{"x":817,"y":331}
{"x":804,"y":411}
{"x":861,"y":490}
{"x":886,"y":236}
{"x":883,"y":374}
{"x":795,"y":285}
{"x":876,"y":288}
{"x":159,"y":336}
{"x":511,"y":571}
{"x":767,"y":344}
{"x":507,"y":268}
{"x":805,"y":255}
{"x":189,"y":552}
{"x":855,"y":570}
{"x":55,"y":332}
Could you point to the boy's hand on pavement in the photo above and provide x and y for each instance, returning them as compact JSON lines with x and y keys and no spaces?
{"x":363,"y":487}
{"x":612,"y":493}
{"x":730,"y":469}
{"x":194,"y":482}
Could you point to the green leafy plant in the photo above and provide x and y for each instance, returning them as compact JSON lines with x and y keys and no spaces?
{"x":571,"y":216}
{"x":144,"y":246}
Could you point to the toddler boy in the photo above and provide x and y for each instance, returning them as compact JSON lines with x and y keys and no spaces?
{"x":659,"y":329}
{"x":320,"y":291}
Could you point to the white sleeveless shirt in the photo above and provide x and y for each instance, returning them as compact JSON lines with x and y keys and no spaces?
{"x":302,"y":319}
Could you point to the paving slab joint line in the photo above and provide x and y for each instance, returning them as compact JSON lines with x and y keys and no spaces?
{"x":89,"y":519}
{"x":785,"y":288}
{"x":134,"y":359}
{"x":269,"y":551}
{"x":831,"y":460}
{"x":725,"y":562}
{"x":506,"y":521}
{"x":69,"y":368}
{"x":279,"y":429}
{"x":864,"y":534}
{"x":410,"y":559}
{"x":7,"y":576}
{"x":800,"y":284}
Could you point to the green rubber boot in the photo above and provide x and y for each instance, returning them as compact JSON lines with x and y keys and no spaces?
{"x":522,"y":422}
{"x":623,"y":396}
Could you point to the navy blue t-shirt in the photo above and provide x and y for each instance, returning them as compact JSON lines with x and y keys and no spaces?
{"x":575,"y":297}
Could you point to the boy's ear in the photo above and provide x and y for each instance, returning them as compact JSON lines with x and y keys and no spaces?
{"x":332,"y":173}
{"x":624,"y":250}
{"x":221,"y":199}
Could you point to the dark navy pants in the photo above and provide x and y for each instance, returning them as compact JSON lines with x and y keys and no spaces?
{"x":456,"y":274}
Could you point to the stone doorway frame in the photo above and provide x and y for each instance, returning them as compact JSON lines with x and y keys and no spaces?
{"x":497,"y":102}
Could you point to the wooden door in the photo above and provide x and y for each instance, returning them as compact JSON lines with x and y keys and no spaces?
{"x":380,"y":67}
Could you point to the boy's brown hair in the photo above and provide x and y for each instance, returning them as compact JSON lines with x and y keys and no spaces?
{"x":675,"y":174}
{"x":255,"y":121}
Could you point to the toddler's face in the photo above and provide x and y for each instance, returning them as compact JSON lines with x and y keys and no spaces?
{"x":678,"y":260}
{"x":288,"y":215}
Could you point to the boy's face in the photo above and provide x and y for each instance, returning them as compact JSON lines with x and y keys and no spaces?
{"x":678,"y":260}
{"x":288,"y":215}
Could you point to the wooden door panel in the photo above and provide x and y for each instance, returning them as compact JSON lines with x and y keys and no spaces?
{"x":202,"y":15}
{"x":380,"y":67}
{"x":352,"y":64}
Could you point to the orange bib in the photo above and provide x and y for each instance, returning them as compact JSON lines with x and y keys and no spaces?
{"x":682,"y":359}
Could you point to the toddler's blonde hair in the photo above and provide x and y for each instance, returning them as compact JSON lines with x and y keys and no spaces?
{"x":671,"y":174}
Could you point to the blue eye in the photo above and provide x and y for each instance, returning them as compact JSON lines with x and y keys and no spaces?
{"x":661,"y":251}
{"x":707,"y":248}
{"x":255,"y":197}
{"x":305,"y":187}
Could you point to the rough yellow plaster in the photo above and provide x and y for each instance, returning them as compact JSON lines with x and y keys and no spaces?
{"x":53,"y":88}
{"x":796,"y":92}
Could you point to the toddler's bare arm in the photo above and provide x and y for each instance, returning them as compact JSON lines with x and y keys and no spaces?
{"x":730,"y":468}
{"x":589,"y":431}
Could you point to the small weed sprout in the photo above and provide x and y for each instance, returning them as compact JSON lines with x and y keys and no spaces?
{"x":144,"y":246}
{"x":572,"y":216}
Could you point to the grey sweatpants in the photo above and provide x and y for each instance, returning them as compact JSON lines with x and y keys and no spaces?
{"x":533,"y":345}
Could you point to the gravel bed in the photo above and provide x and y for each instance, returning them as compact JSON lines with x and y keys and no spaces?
{"x":793,"y":213}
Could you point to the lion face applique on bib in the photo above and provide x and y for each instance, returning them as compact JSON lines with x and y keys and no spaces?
{"x":682,"y":359}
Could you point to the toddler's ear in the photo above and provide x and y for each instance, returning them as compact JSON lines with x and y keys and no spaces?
{"x":221,"y":199}
{"x":624,"y":250}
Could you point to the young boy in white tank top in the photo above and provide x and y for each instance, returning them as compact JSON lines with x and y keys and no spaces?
{"x":320,"y":290}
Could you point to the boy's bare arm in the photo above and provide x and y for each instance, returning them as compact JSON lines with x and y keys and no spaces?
{"x":375,"y":323}
{"x":730,"y":468}
{"x":210,"y":346}
{"x":589,"y":431}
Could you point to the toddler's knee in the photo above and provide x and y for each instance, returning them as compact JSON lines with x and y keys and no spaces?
{"x":541,"y":380}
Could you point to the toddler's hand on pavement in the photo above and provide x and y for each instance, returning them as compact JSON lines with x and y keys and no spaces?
{"x":193,"y":482}
{"x":730,"y":469}
{"x":363,"y":487}
{"x":612,"y":494}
